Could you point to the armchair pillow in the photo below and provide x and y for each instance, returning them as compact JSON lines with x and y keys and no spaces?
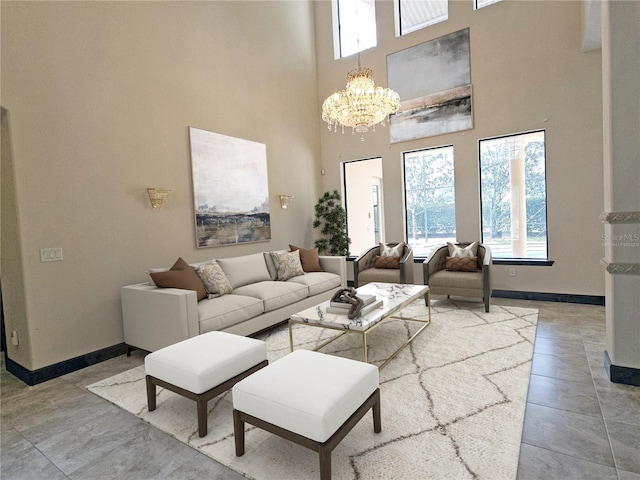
{"x":463,"y":252}
{"x":287,"y":264}
{"x":465,"y":264}
{"x":309,"y":259}
{"x":180,"y":275}
{"x":391,"y":251}
{"x":386,"y":262}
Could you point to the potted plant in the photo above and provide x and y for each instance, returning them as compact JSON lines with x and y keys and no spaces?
{"x":331,"y":218}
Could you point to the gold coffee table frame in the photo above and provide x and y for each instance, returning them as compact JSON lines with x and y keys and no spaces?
{"x":364,"y":333}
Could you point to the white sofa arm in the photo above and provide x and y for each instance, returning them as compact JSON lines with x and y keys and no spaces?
{"x":335,"y":264}
{"x":155,"y":317}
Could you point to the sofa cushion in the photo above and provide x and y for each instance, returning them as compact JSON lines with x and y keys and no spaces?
{"x":310,"y":258}
{"x":180,"y":275}
{"x":245,"y":269}
{"x":274,"y":295}
{"x":222,"y":312}
{"x":318,"y":282}
{"x":287,"y":264}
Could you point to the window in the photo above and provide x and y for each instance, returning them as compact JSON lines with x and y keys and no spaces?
{"x":513,"y":192}
{"x":356,"y":26}
{"x":477,"y":4}
{"x":412,"y":15}
{"x":429,"y":192}
{"x":364,"y":201}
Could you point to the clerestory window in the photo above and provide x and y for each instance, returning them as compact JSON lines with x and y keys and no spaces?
{"x":356,"y":26}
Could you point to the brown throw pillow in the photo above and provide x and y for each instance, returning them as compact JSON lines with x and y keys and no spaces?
{"x":386,"y":262}
{"x":466,"y":264}
{"x":181,"y":275}
{"x":309,"y":258}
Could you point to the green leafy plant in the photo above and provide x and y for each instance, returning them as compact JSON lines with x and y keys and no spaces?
{"x":331,"y":218}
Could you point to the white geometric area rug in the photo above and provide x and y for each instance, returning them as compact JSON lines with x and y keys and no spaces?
{"x":453,"y":401}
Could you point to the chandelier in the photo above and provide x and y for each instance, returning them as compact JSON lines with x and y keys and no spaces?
{"x":361,"y":105}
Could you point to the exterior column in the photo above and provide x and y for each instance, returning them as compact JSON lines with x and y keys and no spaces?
{"x":518,"y":200}
{"x":621,"y":156}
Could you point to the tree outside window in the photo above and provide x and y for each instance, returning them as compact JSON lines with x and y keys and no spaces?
{"x":429,"y":198}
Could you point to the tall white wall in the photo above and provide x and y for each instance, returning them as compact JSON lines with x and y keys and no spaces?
{"x":100,"y":96}
{"x":528,"y":72}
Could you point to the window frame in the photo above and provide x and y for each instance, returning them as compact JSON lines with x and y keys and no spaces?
{"x":404,"y":196}
{"x":546,"y":261}
{"x":338,"y":50}
{"x":397,"y":8}
{"x":478,"y":4}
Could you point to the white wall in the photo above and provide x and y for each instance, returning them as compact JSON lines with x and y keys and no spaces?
{"x":100,"y":96}
{"x":528,"y":72}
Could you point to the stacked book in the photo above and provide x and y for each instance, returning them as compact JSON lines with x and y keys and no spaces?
{"x":370,"y":303}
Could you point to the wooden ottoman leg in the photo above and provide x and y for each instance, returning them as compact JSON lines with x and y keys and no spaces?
{"x":377,"y":421}
{"x":238,"y":432}
{"x":325,"y":463}
{"x":151,"y":393}
{"x":201,"y":405}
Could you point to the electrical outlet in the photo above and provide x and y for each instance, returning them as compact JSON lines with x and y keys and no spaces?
{"x":53,"y":254}
{"x":512,"y":272}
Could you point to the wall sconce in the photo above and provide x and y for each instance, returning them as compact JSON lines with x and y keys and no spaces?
{"x":158,"y":196}
{"x":285,"y":200}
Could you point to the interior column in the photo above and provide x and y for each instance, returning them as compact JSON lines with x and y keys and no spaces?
{"x":621,"y":140}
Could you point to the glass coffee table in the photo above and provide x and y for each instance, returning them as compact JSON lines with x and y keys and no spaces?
{"x":394,"y":298}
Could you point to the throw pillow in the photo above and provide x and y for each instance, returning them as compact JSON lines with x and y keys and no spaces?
{"x":391,"y":250}
{"x":462,"y":252}
{"x":214,"y":279}
{"x":181,"y":275}
{"x":287,"y":264}
{"x":386,"y":262}
{"x":309,"y":259}
{"x":464,"y":264}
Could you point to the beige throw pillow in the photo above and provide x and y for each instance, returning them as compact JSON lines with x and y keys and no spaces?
{"x":214,"y":279}
{"x":287,"y":264}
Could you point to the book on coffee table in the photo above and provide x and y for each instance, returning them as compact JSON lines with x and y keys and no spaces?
{"x":366,"y":309}
{"x":366,"y":299}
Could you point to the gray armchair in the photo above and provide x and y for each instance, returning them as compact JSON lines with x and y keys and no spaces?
{"x":364,"y":271}
{"x":465,"y":284}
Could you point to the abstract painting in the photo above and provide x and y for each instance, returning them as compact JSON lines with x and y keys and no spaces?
{"x":230,"y":189}
{"x":433,"y":80}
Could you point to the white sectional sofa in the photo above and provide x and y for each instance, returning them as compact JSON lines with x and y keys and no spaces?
{"x":155,"y":317}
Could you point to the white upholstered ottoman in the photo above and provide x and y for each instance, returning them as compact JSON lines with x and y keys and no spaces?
{"x":310,"y":398}
{"x":203,"y":367}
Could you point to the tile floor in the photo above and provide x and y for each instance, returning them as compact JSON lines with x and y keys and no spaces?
{"x":577,"y":424}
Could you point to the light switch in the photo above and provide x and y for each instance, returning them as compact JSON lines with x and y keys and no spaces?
{"x":53,"y":254}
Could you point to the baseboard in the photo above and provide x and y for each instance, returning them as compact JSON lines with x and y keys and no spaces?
{"x":620,"y":374}
{"x":33,"y":377}
{"x":550,"y":297}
